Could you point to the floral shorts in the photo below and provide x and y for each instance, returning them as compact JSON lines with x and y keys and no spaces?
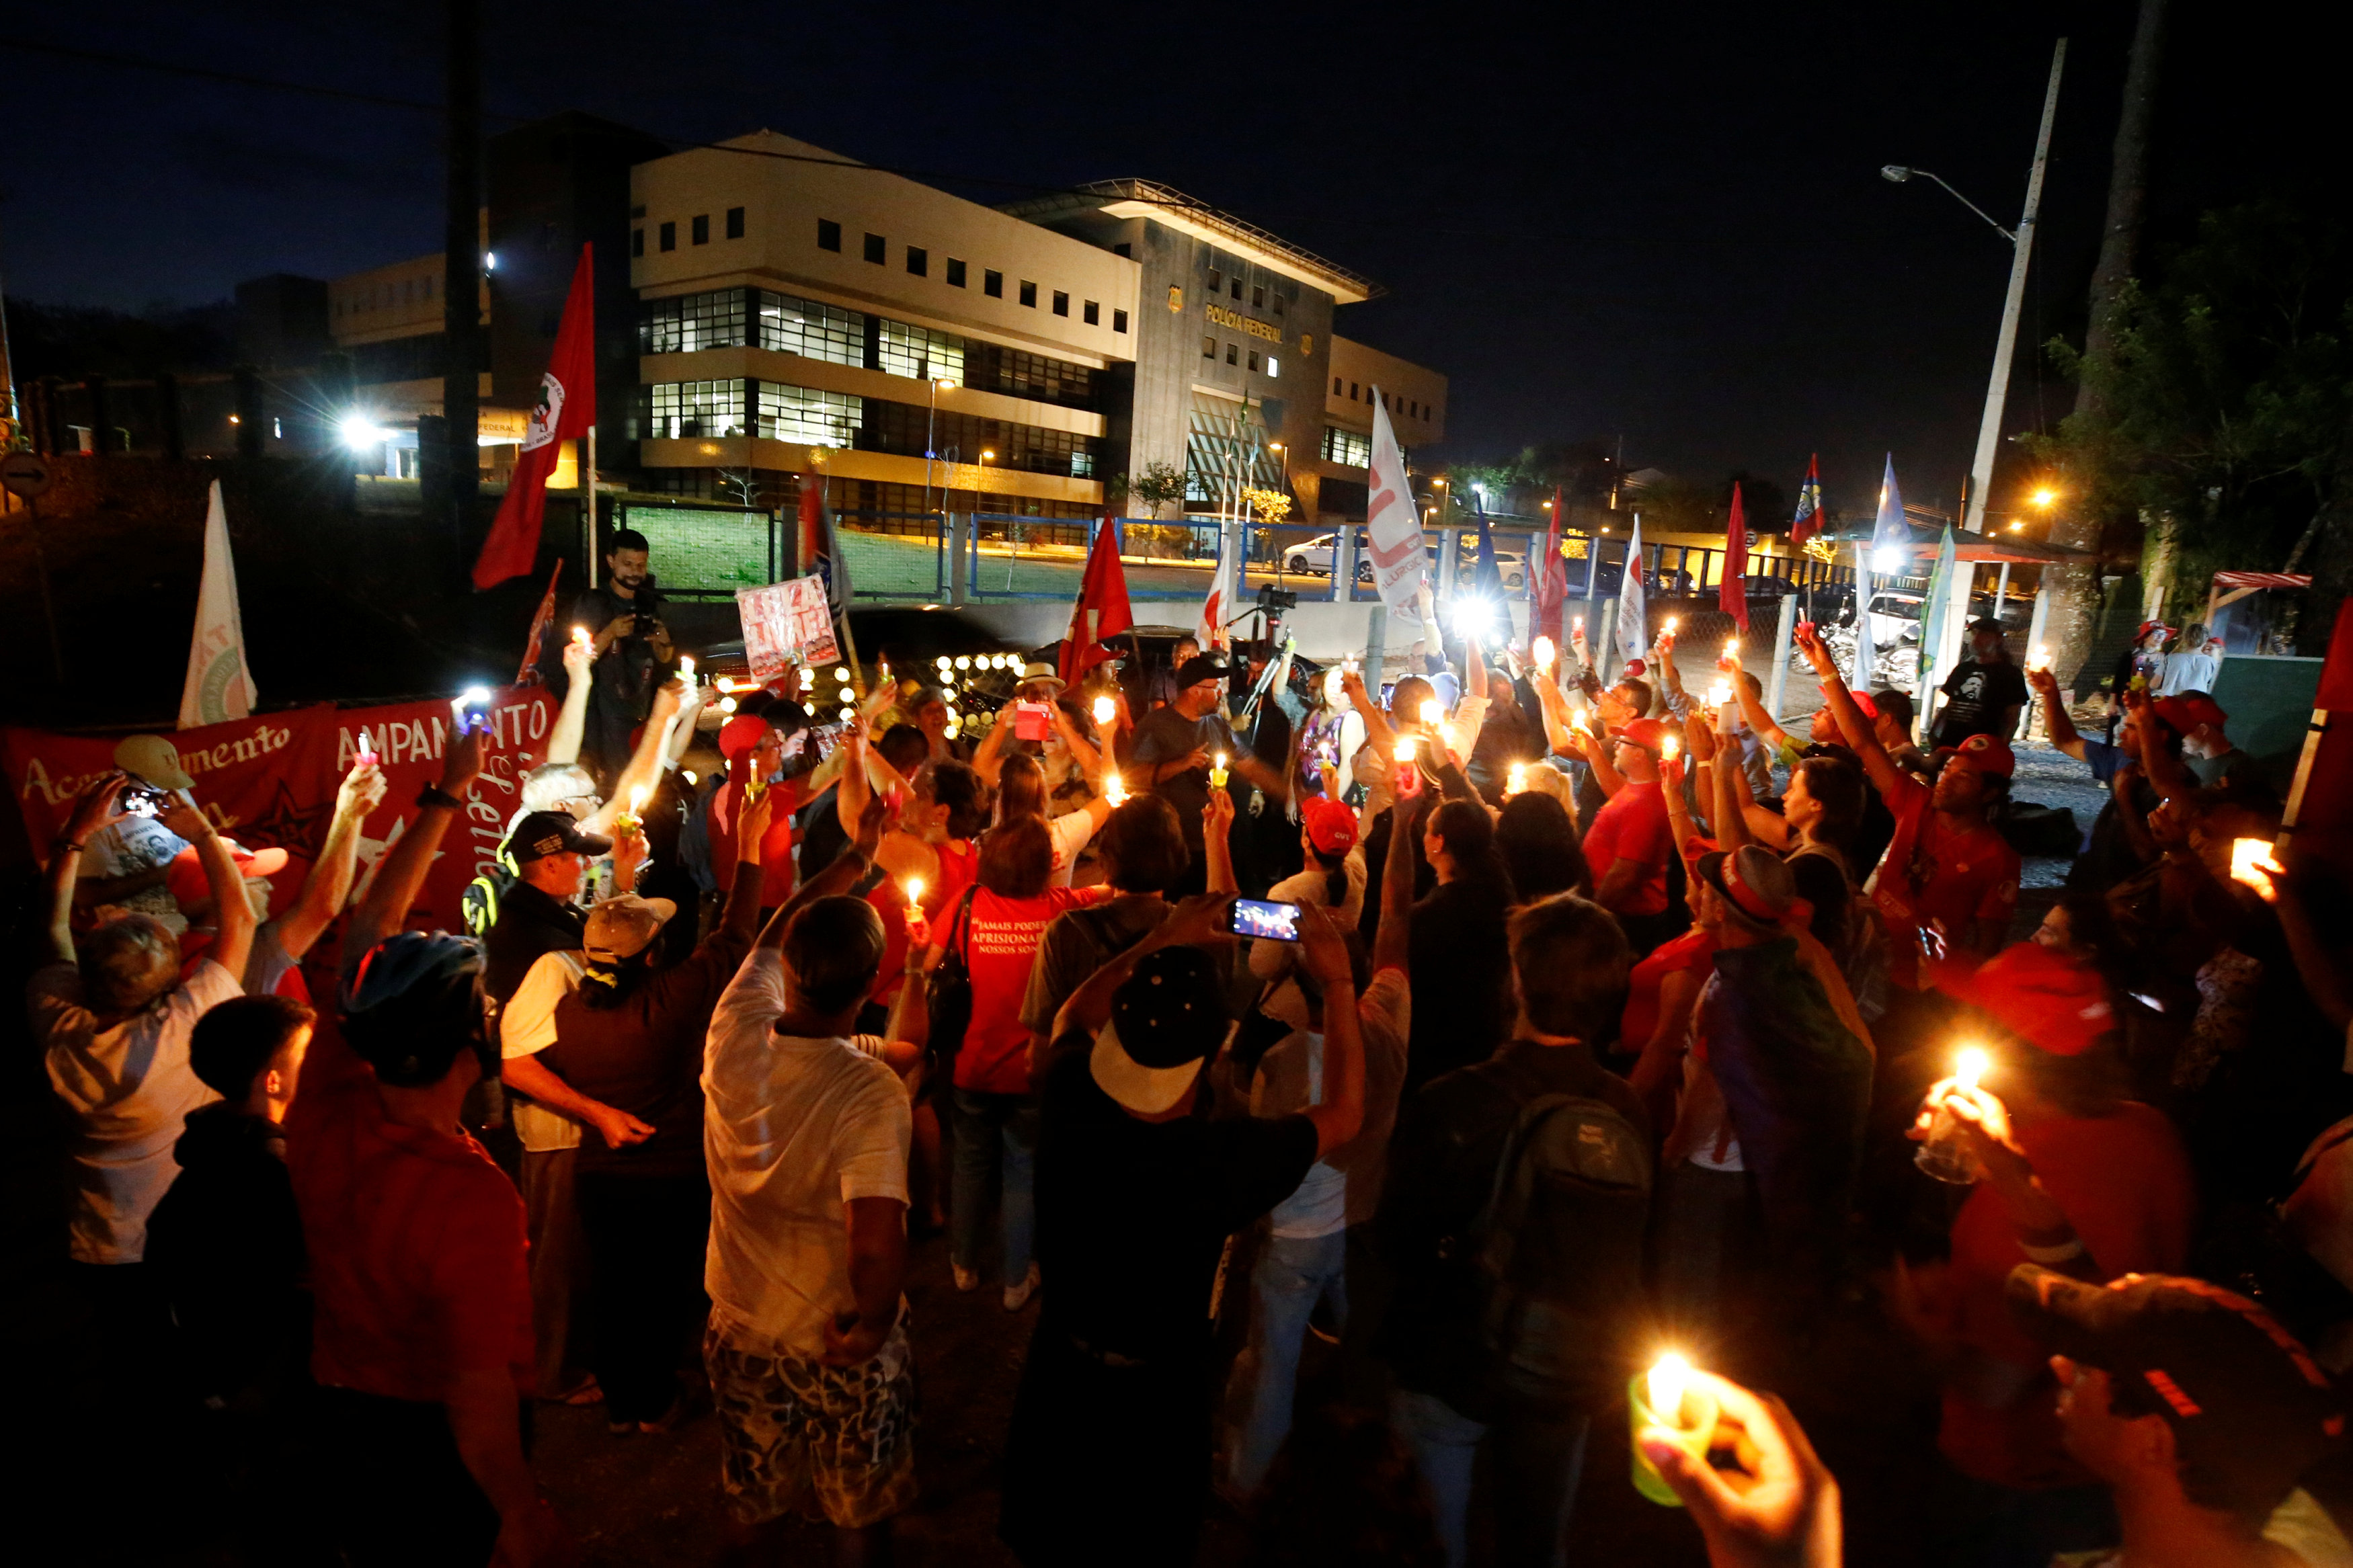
{"x":791,"y":1426}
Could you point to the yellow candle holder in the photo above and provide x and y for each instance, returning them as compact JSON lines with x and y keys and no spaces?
{"x":1689,"y":1428}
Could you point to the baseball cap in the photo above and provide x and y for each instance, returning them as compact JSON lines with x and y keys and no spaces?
{"x":2247,"y":1404}
{"x":545,"y":833}
{"x":1203,"y":667}
{"x":741,"y":736}
{"x":2186,"y":711}
{"x":153,"y":761}
{"x":1865,"y":702}
{"x":1331,"y":825}
{"x":186,"y":876}
{"x":2140,"y":633}
{"x":1987,"y":624}
{"x":1986,"y":753}
{"x":1647,"y":734}
{"x":1755,"y":881}
{"x":1165,"y":1019}
{"x":620,"y":927}
{"x":2045,"y":998}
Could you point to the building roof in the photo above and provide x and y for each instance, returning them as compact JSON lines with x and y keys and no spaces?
{"x":1189,"y":214}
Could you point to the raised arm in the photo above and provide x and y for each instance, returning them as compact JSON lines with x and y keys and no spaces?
{"x":644,"y":766}
{"x":94,"y":812}
{"x":402,"y":871}
{"x":1339,"y":1115}
{"x":1217,"y":842}
{"x":1197,"y":922}
{"x":1393,"y":937}
{"x":1474,"y":668}
{"x":2163,"y":769}
{"x":742,"y":914}
{"x":690,"y":705}
{"x":1377,"y":733}
{"x":1602,"y":760}
{"x":1679,"y":817}
{"x":329,"y":886}
{"x":988,"y":757}
{"x":572,"y":718}
{"x":843,"y":874}
{"x":1884,"y":775}
{"x":232,"y":911}
{"x":1752,"y":706}
{"x":2061,"y":723}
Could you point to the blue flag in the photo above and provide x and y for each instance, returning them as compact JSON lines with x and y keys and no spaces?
{"x":1890,"y":536}
{"x":1486,"y":578}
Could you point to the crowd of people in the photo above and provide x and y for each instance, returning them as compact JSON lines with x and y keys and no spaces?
{"x":1355,"y":1081}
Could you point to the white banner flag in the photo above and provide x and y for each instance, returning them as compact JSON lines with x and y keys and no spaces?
{"x":1633,"y":630}
{"x":1225,"y":585}
{"x":1393,"y":520}
{"x":219,"y":686}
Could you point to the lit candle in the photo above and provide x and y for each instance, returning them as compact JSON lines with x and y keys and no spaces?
{"x":1669,"y":749}
{"x":727,"y":705}
{"x":1969,"y":1067}
{"x":1217,"y":772}
{"x":1719,"y":694}
{"x":1105,"y":710}
{"x":1945,"y":1153}
{"x":686,"y":668}
{"x":1664,"y":1401}
{"x":1671,"y":625}
{"x":1452,"y":742}
{"x":1114,"y":789}
{"x":2246,"y":856}
{"x":1576,"y":623}
{"x":1667,"y":1382}
{"x":367,"y":751}
{"x":629,"y":820}
{"x":1732,"y":648}
{"x":1517,"y":780}
{"x":1432,"y":712}
{"x":1405,"y":749}
{"x":914,"y":890}
{"x":581,"y":639}
{"x":2040,"y":659}
{"x":1543,"y":652}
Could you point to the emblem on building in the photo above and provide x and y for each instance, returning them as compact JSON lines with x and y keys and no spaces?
{"x":1307,"y":343}
{"x":1176,"y":297}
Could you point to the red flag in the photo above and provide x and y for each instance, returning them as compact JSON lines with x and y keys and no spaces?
{"x":566,"y":409}
{"x":1101,"y":611}
{"x":1552,"y":582}
{"x":1732,"y":591}
{"x":1809,"y":521}
{"x":812,"y":522}
{"x":529,"y":674}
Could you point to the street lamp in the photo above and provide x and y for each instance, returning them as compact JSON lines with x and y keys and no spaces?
{"x":2022,"y":242}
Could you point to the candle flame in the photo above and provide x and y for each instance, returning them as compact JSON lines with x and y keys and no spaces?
{"x":638,"y":799}
{"x":1668,"y":1379}
{"x":1105,"y":710}
{"x":1669,"y":749}
{"x":1405,"y":748}
{"x":686,"y":666}
{"x":1671,"y":625}
{"x":2246,"y":854}
{"x":914,"y":889}
{"x":1432,"y":712}
{"x":1544,"y":653}
{"x":1518,"y":781}
{"x":1969,"y":1067}
{"x":580,"y":635}
{"x":1114,"y":789}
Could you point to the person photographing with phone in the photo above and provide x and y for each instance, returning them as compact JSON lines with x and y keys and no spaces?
{"x":623,"y":617}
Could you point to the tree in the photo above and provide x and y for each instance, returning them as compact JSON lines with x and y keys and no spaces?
{"x":1160,"y":484}
{"x":2221,"y":413}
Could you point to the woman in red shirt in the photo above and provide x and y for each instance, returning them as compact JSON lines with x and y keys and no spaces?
{"x":996,"y":934}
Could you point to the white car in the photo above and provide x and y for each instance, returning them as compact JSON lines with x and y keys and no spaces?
{"x":1895,"y":618}
{"x":1315,"y":558}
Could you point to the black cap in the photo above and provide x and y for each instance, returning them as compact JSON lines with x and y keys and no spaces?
{"x":2247,"y":1404}
{"x":545,"y":833}
{"x":1166,"y":1017}
{"x":1203,"y":667}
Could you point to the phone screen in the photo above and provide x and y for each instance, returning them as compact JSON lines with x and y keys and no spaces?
{"x":1265,"y":918}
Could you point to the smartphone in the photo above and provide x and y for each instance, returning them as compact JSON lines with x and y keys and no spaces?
{"x":1264,"y":918}
{"x":141,"y":801}
{"x":1031,"y":720}
{"x":473,"y":706}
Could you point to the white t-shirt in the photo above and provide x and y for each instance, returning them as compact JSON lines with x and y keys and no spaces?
{"x":793,"y":1130}
{"x":526,"y":1028}
{"x":2188,"y":671}
{"x":1070,"y":833}
{"x":130,"y":1089}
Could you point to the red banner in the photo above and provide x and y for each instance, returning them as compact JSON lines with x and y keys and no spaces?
{"x":271,"y":780}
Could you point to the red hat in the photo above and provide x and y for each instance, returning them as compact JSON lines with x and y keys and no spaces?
{"x":1986,"y":753}
{"x":1648,"y":733}
{"x":741,"y":735}
{"x":1863,"y":699}
{"x":190,"y":887}
{"x":1635,"y":669}
{"x":2186,"y":713}
{"x":1331,"y":825}
{"x":2045,"y":998}
{"x":2140,"y":633}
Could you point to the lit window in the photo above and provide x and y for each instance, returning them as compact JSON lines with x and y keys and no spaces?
{"x":993,"y":284}
{"x":1233,"y":354}
{"x":669,"y":236}
{"x":702,"y":229}
{"x":1093,"y":312}
{"x":829,"y":235}
{"x":1209,"y":348}
{"x":1272,"y":368}
{"x":919,"y":262}
{"x":1119,"y":320}
{"x":734,"y":223}
{"x":1346,"y":448}
{"x":955,"y":273}
{"x":875,"y":249}
{"x":1029,"y":293}
{"x":636,"y":242}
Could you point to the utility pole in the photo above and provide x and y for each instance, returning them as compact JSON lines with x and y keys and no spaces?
{"x":2022,"y":245}
{"x":461,"y":272}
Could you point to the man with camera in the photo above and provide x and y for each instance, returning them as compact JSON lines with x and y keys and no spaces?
{"x":632,"y":647}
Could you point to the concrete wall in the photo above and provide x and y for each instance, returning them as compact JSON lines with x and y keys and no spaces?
{"x":1325,"y":631}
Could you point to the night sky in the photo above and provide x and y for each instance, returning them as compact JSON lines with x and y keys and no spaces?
{"x":1664,"y":222}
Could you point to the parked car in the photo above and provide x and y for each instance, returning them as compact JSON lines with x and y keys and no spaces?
{"x":1895,"y":617}
{"x":1313,"y":558}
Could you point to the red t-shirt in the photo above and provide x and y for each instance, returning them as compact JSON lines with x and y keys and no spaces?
{"x":1001,"y":946}
{"x":1931,"y":872}
{"x":959,"y":869}
{"x":415,"y":1242}
{"x":1695,"y":949}
{"x":777,"y":871}
{"x":1632,"y":826}
{"x":2125,"y":1184}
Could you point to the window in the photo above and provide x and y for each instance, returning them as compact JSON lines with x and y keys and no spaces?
{"x":1123,"y":249}
{"x":1217,"y":281}
{"x":669,"y":236}
{"x":687,"y":323}
{"x":795,"y":326}
{"x":734,"y":223}
{"x":679,"y":409}
{"x":702,"y":229}
{"x":1272,"y":368}
{"x":802,"y":414}
{"x":829,"y":235}
{"x":1062,"y":303}
{"x":1258,"y":296}
{"x":1119,"y":320}
{"x":919,"y":262}
{"x":1020,"y":374}
{"x":919,"y":352}
{"x":1278,"y":304}
{"x":1335,"y":387}
{"x":992,"y":284}
{"x":1253,"y":359}
{"x":1209,"y":348}
{"x":874,"y":248}
{"x":1233,"y":352}
{"x":1354,"y":395}
{"x":636,"y":242}
{"x":1029,"y":293}
{"x":1093,"y":312}
{"x":1235,"y":288}
{"x":955,"y":273}
{"x":1345,"y":446}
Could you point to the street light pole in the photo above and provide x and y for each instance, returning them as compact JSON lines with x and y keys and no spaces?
{"x":2021,"y":246}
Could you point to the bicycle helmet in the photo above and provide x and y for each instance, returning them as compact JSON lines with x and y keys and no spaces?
{"x":412,"y":1002}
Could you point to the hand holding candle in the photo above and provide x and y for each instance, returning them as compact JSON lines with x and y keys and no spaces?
{"x":366,"y":756}
{"x":1114,"y":789}
{"x":1218,"y":771}
{"x":1664,"y":1406}
{"x":1669,"y":629}
{"x":1544,"y":653}
{"x":1945,"y":1152}
{"x":2251,"y":863}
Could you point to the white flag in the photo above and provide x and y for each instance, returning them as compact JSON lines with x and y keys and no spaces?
{"x":1633,"y":632}
{"x":219,"y":686}
{"x":1218,"y":607}
{"x":1393,"y":520}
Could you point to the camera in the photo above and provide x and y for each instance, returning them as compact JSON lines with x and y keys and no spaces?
{"x":1276,"y":600}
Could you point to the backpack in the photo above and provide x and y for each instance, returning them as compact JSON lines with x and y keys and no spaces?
{"x":479,"y":904}
{"x":947,"y":993}
{"x":1559,"y":1248}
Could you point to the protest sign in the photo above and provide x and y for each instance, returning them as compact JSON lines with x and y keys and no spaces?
{"x":785,"y":623}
